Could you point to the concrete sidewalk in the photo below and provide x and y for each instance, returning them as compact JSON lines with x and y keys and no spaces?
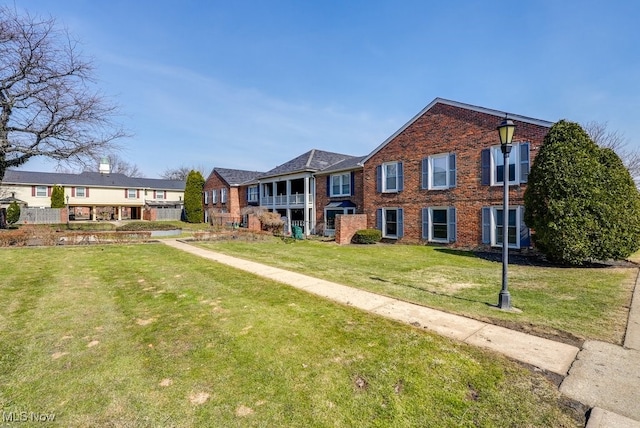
{"x":547,"y":355}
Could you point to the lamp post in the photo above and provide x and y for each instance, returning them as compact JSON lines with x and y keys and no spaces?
{"x":505,"y":130}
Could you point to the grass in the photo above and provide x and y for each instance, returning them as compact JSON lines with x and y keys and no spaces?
{"x":145,"y":335}
{"x":570,"y":304}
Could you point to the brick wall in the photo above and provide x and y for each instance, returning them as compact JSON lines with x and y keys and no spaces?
{"x":348,"y":225}
{"x":322,"y":200}
{"x":446,"y":129}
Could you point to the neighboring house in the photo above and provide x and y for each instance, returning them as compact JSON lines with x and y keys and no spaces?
{"x":228,"y":191}
{"x":339,"y":190}
{"x":98,"y":195}
{"x":439,"y":177}
{"x":289,"y":189}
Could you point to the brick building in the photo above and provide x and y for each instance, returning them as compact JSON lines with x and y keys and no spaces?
{"x":439,"y":177}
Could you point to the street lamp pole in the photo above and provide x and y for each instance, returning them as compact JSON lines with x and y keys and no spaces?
{"x":505,"y":130}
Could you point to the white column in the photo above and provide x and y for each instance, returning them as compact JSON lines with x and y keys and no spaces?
{"x":307,"y":223}
{"x":120,"y":213}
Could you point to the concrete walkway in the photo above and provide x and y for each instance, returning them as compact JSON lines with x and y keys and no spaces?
{"x":603,"y":376}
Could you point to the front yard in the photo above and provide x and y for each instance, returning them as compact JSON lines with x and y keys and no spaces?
{"x":145,"y":336}
{"x":569,"y":304}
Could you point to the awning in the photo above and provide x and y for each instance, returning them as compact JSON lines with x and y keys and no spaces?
{"x":341,"y":204}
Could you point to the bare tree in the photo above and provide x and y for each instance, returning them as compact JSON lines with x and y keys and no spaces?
{"x":48,"y":106}
{"x":182,"y":172}
{"x":120,"y":166}
{"x":614,"y":140}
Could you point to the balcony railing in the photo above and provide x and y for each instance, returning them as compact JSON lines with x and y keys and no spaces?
{"x":281,"y":200}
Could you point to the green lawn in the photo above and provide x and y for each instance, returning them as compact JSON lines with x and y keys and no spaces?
{"x":568,"y":304}
{"x":148,"y":336}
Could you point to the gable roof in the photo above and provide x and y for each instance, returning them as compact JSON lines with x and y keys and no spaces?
{"x":497,"y":113}
{"x":236,"y":177}
{"x":90,"y":179}
{"x":312,"y":161}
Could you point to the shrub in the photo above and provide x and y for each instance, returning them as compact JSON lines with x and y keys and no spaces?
{"x":57,"y":197}
{"x":13,"y":212}
{"x":194,"y":212}
{"x":367,"y":236}
{"x":580,"y":200}
{"x":146,"y":225}
{"x":272,"y":222}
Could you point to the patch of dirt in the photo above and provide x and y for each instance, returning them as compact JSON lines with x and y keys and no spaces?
{"x":67,"y":337}
{"x":243,"y":411}
{"x":145,"y":322}
{"x":199,"y":398}
{"x":361,"y":383}
{"x":166,"y":382}
{"x":57,"y":355}
{"x":93,"y":343}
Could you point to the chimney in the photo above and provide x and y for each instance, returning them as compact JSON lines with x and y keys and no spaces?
{"x":104,"y":166}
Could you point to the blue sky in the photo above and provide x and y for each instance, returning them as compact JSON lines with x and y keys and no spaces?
{"x":251,"y":84}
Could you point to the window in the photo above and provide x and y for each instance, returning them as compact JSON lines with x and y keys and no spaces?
{"x":340,"y":185}
{"x":252,"y":194}
{"x":439,"y":224}
{"x":214,"y":196}
{"x":518,"y":235}
{"x":223,"y":195}
{"x":206,"y":199}
{"x":390,"y":222}
{"x":132,"y":194}
{"x":439,"y":171}
{"x":389,"y":177}
{"x":330,"y":216}
{"x":81,"y":192}
{"x":493,"y":168}
{"x":161,"y":194}
{"x":41,"y":191}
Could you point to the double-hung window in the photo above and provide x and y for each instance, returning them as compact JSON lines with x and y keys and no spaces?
{"x":517,"y":170}
{"x":439,"y":224}
{"x":391,"y":222}
{"x":132,"y":193}
{"x":439,"y":171}
{"x":252,"y":194}
{"x":223,"y":195}
{"x":41,"y":191}
{"x":340,"y":184}
{"x":206,"y":197}
{"x":518,"y":234}
{"x":161,"y":194}
{"x":214,"y":196}
{"x":81,"y":192}
{"x":390,"y":177}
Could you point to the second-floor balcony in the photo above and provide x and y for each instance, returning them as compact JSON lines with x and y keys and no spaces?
{"x":286,"y":200}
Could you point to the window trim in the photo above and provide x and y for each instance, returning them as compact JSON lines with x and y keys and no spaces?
{"x":223,"y":195}
{"x":161,"y":192}
{"x":84,"y":192}
{"x":490,"y":227}
{"x":381,"y":220}
{"x":37,"y":192}
{"x":135,"y":193}
{"x":381,"y":177}
{"x":428,"y":171}
{"x":253,"y":196}
{"x":520,"y":158}
{"x":451,"y":223}
{"x":345,"y":179}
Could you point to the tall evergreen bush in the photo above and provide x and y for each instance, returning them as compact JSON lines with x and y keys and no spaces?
{"x":580,"y":200}
{"x":194,"y":211}
{"x":57,"y":197}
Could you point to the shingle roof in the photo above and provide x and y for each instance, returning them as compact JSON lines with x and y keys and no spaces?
{"x":353,"y":162}
{"x":236,"y":177}
{"x":93,"y":179}
{"x":311,"y":161}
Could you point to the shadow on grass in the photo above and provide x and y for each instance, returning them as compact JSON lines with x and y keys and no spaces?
{"x":535,"y":260}
{"x":435,"y":293}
